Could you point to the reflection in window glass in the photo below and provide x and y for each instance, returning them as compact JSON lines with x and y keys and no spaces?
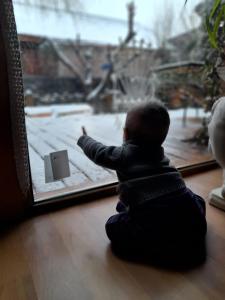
{"x":85,"y":63}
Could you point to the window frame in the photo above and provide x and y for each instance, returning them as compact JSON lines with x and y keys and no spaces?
{"x":108,"y":190}
{"x":28,"y":205}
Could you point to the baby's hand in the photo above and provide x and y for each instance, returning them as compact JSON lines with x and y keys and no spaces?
{"x":84,"y":132}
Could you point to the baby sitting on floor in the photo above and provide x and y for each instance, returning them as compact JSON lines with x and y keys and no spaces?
{"x":157,"y":214}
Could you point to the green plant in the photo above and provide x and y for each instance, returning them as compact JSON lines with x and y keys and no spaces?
{"x":214,"y":24}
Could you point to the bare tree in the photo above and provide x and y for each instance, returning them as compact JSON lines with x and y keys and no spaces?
{"x":193,"y":49}
{"x":113,"y":56}
{"x":163,"y":25}
{"x":83,"y":70}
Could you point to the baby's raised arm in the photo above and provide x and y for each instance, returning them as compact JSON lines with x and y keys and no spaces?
{"x":105,"y":156}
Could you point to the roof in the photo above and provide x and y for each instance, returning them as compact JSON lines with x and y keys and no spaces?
{"x":54,"y":23}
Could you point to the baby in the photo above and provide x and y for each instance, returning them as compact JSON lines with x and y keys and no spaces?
{"x":157,"y":213}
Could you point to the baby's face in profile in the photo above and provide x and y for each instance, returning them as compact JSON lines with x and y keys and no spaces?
{"x":130,"y":118}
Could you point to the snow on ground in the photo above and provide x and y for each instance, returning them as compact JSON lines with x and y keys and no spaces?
{"x":80,"y":109}
{"x":58,"y":110}
{"x":191,"y":113}
{"x":107,"y":128}
{"x":61,"y":130}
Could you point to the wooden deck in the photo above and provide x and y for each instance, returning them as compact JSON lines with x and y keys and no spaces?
{"x":47,"y":135}
{"x":66,"y":255}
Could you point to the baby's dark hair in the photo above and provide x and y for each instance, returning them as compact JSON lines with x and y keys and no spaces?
{"x":148,"y":123}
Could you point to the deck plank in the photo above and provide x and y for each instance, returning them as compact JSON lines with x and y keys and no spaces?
{"x":56,"y":145}
{"x":37,"y":149}
{"x":55,"y":140}
{"x":47,"y":135}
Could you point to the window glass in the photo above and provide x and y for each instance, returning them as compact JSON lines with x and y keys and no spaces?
{"x":85,"y":63}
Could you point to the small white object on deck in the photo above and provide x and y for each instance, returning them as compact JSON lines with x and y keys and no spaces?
{"x":56,"y":166}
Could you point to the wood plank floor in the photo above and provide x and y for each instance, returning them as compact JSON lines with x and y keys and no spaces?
{"x":47,"y":135}
{"x":65,"y":255}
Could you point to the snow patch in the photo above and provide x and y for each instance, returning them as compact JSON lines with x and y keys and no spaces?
{"x":58,"y":110}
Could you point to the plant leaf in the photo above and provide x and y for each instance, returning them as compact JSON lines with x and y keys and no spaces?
{"x":214,"y":8}
{"x":211,"y":35}
{"x":219,"y":18}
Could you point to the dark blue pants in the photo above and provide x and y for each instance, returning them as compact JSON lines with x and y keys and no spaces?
{"x":166,"y":227}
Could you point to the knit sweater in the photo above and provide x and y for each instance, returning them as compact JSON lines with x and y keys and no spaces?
{"x":144,"y":172}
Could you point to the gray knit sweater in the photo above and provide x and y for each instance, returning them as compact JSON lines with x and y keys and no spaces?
{"x":142,"y":171}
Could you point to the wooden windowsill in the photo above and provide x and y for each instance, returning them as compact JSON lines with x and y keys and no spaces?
{"x":84,"y":195}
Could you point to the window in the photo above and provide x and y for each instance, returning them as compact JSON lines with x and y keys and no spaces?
{"x":85,"y":63}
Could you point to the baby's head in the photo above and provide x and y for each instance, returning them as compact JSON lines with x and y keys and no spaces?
{"x":147,"y":124}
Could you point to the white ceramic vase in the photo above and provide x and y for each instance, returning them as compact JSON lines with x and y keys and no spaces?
{"x":216,"y":130}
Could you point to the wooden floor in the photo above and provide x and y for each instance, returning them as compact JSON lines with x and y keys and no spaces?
{"x":65,"y":255}
{"x":47,"y":135}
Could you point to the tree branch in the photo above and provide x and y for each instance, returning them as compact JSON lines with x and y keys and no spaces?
{"x":128,"y":62}
{"x":77,"y":48}
{"x":64,"y":59}
{"x":130,"y":35}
